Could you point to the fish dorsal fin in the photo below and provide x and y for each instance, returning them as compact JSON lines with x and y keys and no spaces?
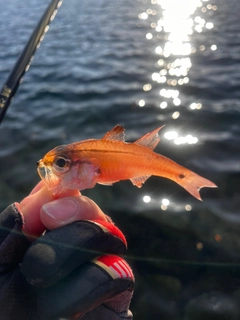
{"x":139,"y":181}
{"x":117,"y":134}
{"x":149,"y":140}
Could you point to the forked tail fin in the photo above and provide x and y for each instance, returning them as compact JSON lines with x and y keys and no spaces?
{"x":192,"y":182}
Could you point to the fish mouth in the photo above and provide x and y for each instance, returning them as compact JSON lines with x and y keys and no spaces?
{"x":46,"y":174}
{"x":43,"y":171}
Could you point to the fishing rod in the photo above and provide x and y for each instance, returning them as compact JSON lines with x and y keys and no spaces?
{"x":24,"y":61}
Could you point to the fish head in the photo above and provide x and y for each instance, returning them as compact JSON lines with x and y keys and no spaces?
{"x":53,"y":167}
{"x":61,"y":169}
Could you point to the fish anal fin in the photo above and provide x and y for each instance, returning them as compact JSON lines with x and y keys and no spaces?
{"x":117,"y":134}
{"x":139,"y":181}
{"x":149,"y":140}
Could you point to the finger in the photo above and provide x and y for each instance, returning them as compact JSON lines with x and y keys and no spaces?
{"x":63,"y":211}
{"x":67,"y":192}
{"x":38,"y":186}
{"x":30,"y":208}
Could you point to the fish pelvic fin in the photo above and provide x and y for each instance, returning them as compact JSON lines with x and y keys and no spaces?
{"x":117,"y":134}
{"x":149,"y":140}
{"x":192,"y":182}
{"x":139,"y":181}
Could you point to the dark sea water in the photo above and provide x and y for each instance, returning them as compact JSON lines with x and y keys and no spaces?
{"x":141,"y":64}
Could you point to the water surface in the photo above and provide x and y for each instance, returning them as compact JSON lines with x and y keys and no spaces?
{"x":141,"y":64}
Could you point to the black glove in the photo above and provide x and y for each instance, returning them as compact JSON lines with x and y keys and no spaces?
{"x":64,"y":273}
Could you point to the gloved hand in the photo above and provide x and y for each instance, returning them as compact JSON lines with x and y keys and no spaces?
{"x":73,"y":271}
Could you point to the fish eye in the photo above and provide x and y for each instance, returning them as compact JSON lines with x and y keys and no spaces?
{"x":61,"y":164}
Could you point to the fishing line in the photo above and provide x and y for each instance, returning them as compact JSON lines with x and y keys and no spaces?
{"x":24,"y":61}
{"x":129,"y":257}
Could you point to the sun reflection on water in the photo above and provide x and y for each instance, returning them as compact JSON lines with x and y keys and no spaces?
{"x":165,"y":203}
{"x":173,"y":24}
{"x":173,"y":27}
{"x":173,"y":136}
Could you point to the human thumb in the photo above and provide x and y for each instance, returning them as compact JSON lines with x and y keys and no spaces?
{"x":63,"y":211}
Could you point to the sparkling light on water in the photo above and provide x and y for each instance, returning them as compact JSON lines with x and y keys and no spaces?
{"x":149,"y":36}
{"x":143,"y":16}
{"x":175,"y":115}
{"x":174,"y":136}
{"x":146,"y":199}
{"x":173,"y":24}
{"x":195,"y":105}
{"x":171,"y":135}
{"x":163,"y":105}
{"x":165,"y":202}
{"x":141,"y":103}
{"x":147,"y":87}
{"x":173,"y":29}
{"x":176,"y":101}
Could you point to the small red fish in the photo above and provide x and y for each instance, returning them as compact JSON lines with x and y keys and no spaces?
{"x":80,"y":165}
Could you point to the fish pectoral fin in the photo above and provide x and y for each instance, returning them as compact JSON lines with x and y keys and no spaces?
{"x":90,"y":166}
{"x":139,"y":181}
{"x":149,"y":140}
{"x":117,"y":134}
{"x":110,"y":183}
